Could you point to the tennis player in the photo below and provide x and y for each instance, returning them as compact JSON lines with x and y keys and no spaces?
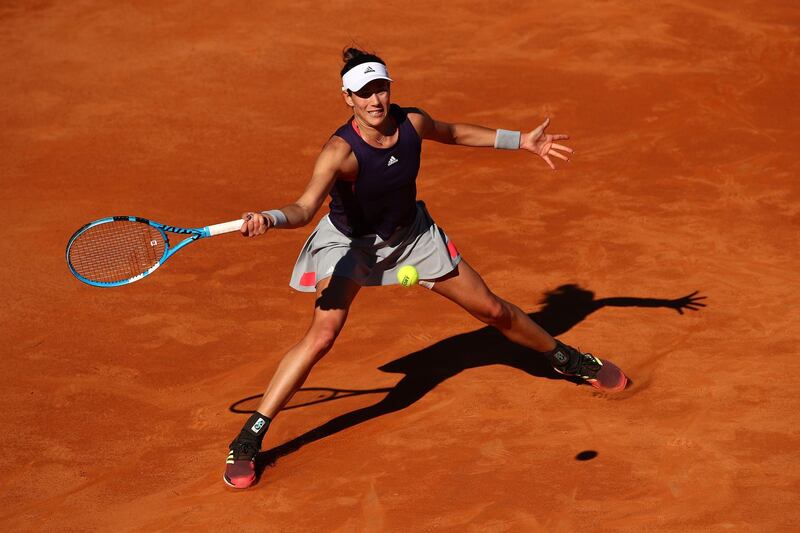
{"x":376,"y":225}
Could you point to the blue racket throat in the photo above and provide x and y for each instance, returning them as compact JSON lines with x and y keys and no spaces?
{"x":115,"y":251}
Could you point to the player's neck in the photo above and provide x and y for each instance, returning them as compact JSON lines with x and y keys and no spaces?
{"x":381,"y":135}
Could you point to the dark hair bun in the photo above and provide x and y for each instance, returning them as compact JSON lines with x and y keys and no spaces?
{"x":353,"y":57}
{"x":351,"y":53}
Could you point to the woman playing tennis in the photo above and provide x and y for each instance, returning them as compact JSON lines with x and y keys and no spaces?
{"x":376,"y":225}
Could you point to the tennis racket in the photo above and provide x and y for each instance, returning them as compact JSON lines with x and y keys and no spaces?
{"x":116,"y":251}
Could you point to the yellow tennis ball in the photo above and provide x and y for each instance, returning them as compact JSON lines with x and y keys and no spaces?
{"x":407,"y":276}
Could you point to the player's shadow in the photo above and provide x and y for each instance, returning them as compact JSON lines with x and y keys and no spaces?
{"x":563,"y":308}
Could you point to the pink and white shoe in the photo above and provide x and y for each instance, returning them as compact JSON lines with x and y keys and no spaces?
{"x":240,"y":468}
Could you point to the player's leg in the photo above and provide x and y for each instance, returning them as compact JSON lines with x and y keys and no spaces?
{"x":330,"y":313}
{"x":334,"y":296}
{"x":466,"y":288}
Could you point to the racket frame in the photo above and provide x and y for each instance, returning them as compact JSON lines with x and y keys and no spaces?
{"x":169,"y":251}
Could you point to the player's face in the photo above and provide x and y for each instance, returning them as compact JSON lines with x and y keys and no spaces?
{"x":371,"y":103}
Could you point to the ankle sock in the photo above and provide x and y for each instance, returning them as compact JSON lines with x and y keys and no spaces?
{"x":558,"y":356}
{"x":255,"y":428}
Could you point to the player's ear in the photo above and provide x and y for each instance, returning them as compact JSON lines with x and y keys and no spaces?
{"x":348,"y":99}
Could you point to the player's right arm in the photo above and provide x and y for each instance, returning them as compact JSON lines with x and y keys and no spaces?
{"x":336,"y":160}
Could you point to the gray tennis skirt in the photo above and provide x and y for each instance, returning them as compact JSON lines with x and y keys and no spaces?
{"x":371,"y":261}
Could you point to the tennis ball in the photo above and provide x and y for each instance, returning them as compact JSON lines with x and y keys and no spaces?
{"x":407,"y":276}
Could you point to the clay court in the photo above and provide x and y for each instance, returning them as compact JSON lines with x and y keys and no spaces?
{"x":119,"y":404}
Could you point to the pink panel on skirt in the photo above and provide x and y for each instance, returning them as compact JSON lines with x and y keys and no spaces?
{"x":452,"y":248}
{"x":309,"y":279}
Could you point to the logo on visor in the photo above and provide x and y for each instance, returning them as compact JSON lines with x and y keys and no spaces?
{"x":369,"y":69}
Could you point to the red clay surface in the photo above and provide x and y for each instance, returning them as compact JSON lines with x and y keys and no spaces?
{"x":117,"y":403}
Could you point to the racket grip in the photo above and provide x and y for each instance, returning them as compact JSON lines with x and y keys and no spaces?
{"x":225,"y":227}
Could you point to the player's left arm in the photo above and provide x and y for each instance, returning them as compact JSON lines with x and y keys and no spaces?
{"x":536,"y":141}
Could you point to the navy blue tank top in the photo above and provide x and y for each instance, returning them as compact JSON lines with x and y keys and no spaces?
{"x":383,"y":196}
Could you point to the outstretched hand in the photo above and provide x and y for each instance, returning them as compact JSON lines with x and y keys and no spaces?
{"x":543,"y":145}
{"x":690,"y":302}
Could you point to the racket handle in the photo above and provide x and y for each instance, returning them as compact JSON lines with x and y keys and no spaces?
{"x":225,"y":227}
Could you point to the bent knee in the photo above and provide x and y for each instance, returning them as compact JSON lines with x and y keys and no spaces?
{"x":495,"y":313}
{"x":322,"y":339}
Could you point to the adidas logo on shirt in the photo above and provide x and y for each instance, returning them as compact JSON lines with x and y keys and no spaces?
{"x":392,"y":161}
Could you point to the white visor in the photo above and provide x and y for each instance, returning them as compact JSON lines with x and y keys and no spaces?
{"x":360,"y":75}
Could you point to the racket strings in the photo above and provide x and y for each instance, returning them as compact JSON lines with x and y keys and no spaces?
{"x":116,"y":251}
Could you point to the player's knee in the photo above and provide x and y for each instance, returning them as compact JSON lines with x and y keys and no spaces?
{"x":496,"y":313}
{"x":323,"y":339}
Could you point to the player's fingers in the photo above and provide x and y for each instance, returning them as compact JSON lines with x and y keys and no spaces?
{"x":252,"y":226}
{"x":562,"y":147}
{"x":558,"y":155}
{"x":243,"y":229}
{"x":539,"y":131}
{"x":548,"y":161}
{"x":560,"y":137}
{"x":262,"y":224}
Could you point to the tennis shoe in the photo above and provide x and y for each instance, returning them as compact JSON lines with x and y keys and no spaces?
{"x":603,"y":375}
{"x":240,"y":468}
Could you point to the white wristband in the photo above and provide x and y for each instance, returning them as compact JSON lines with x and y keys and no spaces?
{"x":277,"y":216}
{"x":507,"y":140}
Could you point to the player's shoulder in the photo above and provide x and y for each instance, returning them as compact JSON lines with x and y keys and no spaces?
{"x":417,"y":117}
{"x":412,"y":110}
{"x":337,"y":145}
{"x":335,"y":152}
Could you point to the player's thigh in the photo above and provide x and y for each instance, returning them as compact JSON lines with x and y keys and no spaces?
{"x":467,"y":289}
{"x":334,"y":296}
